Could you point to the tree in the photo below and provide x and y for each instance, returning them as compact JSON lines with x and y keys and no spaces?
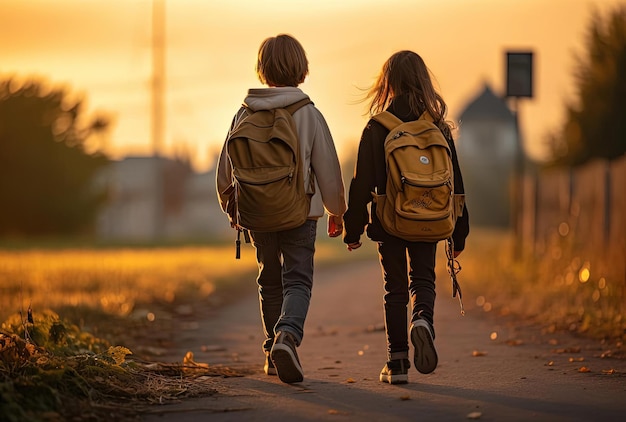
{"x":595,"y":125}
{"x":46,"y":176}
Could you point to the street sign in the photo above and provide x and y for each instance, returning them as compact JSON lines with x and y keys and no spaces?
{"x":519,"y":74}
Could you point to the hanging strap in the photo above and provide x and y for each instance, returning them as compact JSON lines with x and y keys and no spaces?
{"x":238,"y":244}
{"x":454,"y":268}
{"x":246,"y":238}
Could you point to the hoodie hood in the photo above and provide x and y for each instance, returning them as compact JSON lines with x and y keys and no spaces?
{"x":270,"y":98}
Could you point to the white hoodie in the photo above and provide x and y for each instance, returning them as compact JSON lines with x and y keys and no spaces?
{"x":319,"y":156}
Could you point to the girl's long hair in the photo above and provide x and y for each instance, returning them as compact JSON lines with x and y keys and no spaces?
{"x":406,"y":74}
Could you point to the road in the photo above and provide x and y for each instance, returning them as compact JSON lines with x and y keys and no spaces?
{"x":521,"y":375}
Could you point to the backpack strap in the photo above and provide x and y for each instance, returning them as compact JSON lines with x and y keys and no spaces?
{"x":292,"y":108}
{"x":426,"y":116}
{"x":390,"y":121}
{"x":387,"y":119}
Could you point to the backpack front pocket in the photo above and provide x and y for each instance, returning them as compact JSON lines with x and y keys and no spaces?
{"x":424,"y":199}
{"x":265,"y":191}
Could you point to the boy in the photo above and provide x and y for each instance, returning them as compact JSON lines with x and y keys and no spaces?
{"x":285,"y":258}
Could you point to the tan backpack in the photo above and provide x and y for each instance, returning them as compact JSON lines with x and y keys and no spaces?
{"x":268,"y":192}
{"x":419,"y":203}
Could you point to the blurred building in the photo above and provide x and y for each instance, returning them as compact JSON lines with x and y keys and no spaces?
{"x":157,"y":198}
{"x":489,"y":153}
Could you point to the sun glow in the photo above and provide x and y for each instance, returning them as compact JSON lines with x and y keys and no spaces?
{"x":102,"y":50}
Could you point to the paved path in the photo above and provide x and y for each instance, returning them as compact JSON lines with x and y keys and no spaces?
{"x":517,"y":377}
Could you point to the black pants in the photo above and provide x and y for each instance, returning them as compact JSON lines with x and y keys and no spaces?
{"x":417,"y":277}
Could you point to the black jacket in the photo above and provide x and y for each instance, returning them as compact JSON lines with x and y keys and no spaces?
{"x":370,"y":174}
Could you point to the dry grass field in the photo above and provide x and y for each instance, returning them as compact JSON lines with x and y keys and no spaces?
{"x":70,"y":317}
{"x":70,"y":313}
{"x":116,"y":281}
{"x":561,"y":289}
{"x":572,"y":292}
{"x":113,"y":280}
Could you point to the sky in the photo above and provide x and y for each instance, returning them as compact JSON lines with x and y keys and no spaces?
{"x":101,"y":51}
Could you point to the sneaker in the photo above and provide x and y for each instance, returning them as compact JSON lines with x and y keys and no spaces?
{"x":396,"y":371}
{"x":425,"y":358}
{"x":286,"y":359}
{"x":269,"y":367}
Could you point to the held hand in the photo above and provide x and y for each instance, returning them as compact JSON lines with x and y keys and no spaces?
{"x":335,"y":225}
{"x":353,"y":246}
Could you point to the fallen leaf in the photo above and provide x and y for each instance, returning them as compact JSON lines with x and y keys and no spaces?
{"x":474,"y":415}
{"x":42,"y":360}
{"x":350,"y":380}
{"x":118,"y":354}
{"x":189,"y":362}
{"x":476,"y":353}
{"x":337,"y":412}
{"x":551,"y":363}
{"x":608,"y":371}
{"x":580,"y":359}
{"x":584,"y":369}
{"x":567,"y":350}
{"x":31,"y":349}
{"x":514,"y":342}
{"x":405,"y":397}
{"x":188,"y":358}
{"x":212,"y":348}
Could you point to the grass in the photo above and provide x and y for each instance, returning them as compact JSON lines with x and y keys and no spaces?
{"x":562,"y":289}
{"x":115,"y":280}
{"x":568,"y":289}
{"x":118,"y":281}
{"x":68,"y":310}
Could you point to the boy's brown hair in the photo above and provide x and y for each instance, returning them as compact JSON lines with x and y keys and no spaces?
{"x":282,"y":61}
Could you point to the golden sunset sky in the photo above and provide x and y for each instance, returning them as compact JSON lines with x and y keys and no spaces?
{"x":101,"y":49}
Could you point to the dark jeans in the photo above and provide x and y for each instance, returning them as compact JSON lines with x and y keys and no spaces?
{"x":285,"y":279}
{"x":417,"y":279}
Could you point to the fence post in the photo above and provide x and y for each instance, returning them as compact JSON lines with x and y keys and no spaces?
{"x":535,"y":220}
{"x":607,"y":202}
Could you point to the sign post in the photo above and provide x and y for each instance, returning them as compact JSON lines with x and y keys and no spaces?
{"x":519,"y":84}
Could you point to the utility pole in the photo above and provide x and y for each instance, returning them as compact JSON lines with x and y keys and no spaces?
{"x":158,"y":76}
{"x":158,"y":113}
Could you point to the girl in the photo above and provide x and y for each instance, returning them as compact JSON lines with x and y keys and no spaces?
{"x":404,"y":88}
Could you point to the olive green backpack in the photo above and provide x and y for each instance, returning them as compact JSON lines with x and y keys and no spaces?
{"x":268,"y":192}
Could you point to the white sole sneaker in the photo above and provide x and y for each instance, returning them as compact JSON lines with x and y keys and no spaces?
{"x":425,"y":358}
{"x":286,"y":362}
{"x":394,"y":379}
